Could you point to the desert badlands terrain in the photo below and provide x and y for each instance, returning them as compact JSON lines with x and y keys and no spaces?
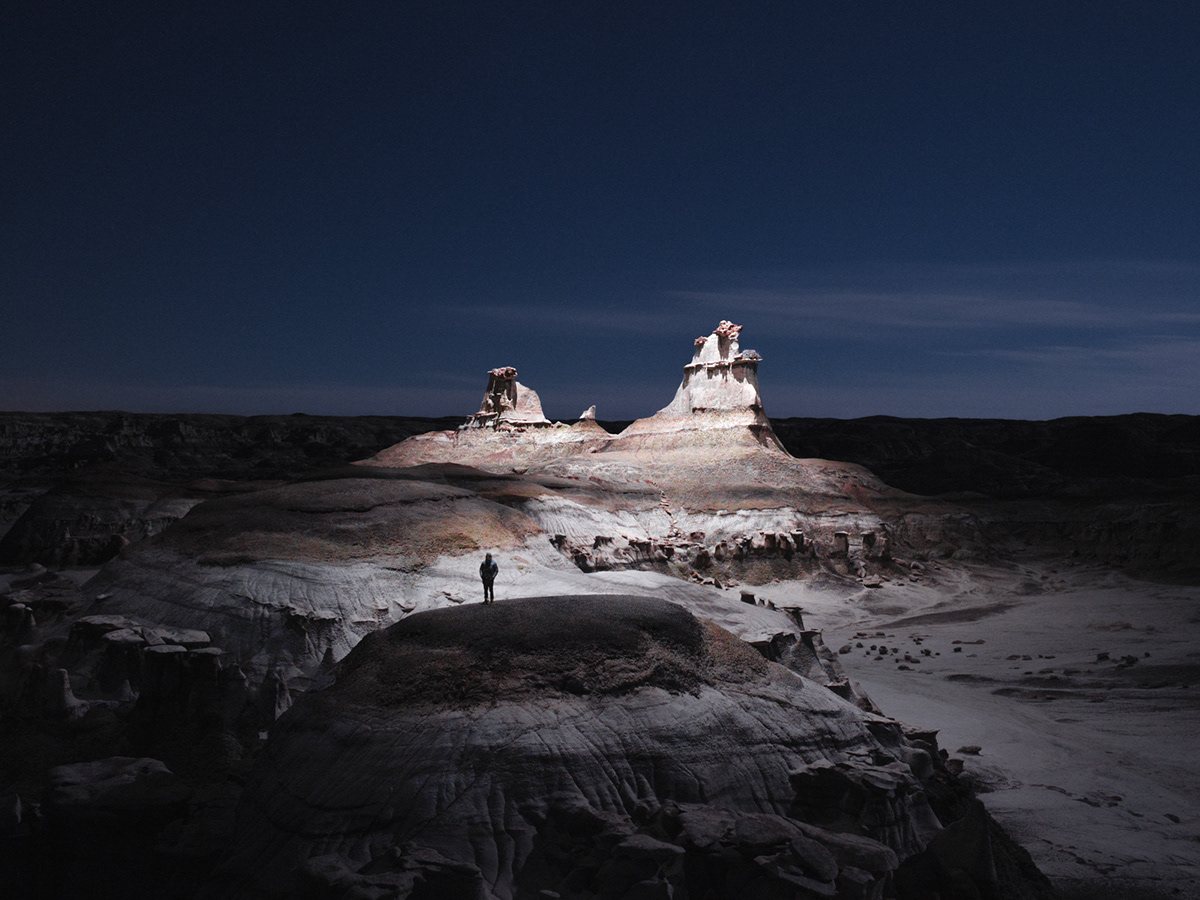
{"x":730,"y":656}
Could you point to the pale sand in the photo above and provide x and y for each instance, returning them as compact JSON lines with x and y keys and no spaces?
{"x":1085,"y":769}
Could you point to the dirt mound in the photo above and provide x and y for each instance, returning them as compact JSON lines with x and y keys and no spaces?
{"x":592,"y":644}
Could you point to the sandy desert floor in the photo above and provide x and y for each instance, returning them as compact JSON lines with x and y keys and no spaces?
{"x":1081,"y":689}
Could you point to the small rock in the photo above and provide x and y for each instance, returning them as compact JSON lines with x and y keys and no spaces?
{"x":642,"y":846}
{"x":10,"y":813}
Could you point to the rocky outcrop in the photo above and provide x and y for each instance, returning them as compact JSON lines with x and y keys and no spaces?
{"x":281,"y":577}
{"x":43,"y":448}
{"x":583,"y":745}
{"x":717,"y":408}
{"x":1117,"y":490}
{"x":507,"y":404}
{"x":1121,"y":491}
{"x":284,"y":576}
{"x":283,"y":580}
{"x":700,"y":743}
{"x":719,"y":377}
{"x":75,"y":488}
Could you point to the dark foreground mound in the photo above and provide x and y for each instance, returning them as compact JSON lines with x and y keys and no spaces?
{"x":592,"y":747}
{"x":546,"y":646}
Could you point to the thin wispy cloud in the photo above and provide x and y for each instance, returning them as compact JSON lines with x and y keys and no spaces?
{"x":860,"y":310}
{"x":1022,"y":340}
{"x":653,"y":317}
{"x":864,"y":302}
{"x":1096,"y":296}
{"x":1167,"y":354}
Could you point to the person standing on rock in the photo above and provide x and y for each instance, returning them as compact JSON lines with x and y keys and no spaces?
{"x":487,"y":571}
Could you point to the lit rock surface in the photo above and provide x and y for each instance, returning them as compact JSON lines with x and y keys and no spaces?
{"x":291,"y":577}
{"x":717,"y":409}
{"x":507,"y":403}
{"x":719,"y":377}
{"x":284,"y":578}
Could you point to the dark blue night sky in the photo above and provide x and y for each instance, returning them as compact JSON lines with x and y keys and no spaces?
{"x":917,"y":209}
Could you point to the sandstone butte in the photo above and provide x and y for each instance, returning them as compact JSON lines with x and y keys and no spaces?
{"x":627,"y":722}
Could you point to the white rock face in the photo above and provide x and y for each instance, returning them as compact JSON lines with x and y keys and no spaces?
{"x":717,"y":409}
{"x":290,"y":578}
{"x":720,"y":377}
{"x":507,"y":402}
{"x":451,"y":749}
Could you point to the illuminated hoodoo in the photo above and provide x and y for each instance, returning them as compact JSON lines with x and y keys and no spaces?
{"x":507,"y":403}
{"x":719,"y":377}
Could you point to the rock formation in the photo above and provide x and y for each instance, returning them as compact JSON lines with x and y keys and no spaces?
{"x":717,"y":408}
{"x":84,"y":522}
{"x":620,"y":724}
{"x":280,"y":578}
{"x":507,"y":404}
{"x":719,"y":377}
{"x":77,"y":487}
{"x":189,"y":645}
{"x":587,"y":746}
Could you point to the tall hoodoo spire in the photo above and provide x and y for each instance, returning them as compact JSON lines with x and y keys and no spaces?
{"x":719,"y":377}
{"x":507,"y":403}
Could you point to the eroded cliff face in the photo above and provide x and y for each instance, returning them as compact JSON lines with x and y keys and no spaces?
{"x":717,"y":409}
